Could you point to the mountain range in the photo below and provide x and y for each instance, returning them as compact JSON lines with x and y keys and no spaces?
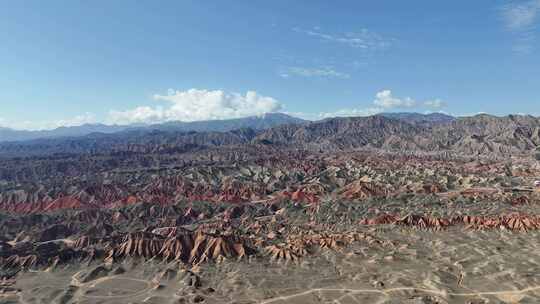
{"x":477,"y":135}
{"x":262,"y":122}
{"x":254,"y":122}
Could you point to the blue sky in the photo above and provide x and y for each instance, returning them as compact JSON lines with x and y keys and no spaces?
{"x":73,"y":62}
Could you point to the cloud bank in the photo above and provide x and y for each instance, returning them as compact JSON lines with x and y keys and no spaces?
{"x":384,"y":101}
{"x":196,"y":105}
{"x":86,"y":118}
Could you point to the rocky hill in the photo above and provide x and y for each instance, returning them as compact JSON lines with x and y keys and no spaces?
{"x":432,"y":118}
{"x":481,"y":134}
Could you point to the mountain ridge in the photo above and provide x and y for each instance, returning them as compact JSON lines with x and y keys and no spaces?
{"x":476,"y":135}
{"x":264,"y":121}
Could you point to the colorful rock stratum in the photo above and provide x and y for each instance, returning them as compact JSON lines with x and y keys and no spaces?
{"x":352,"y":210}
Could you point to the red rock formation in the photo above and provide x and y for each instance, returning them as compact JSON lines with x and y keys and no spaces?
{"x":16,"y":261}
{"x":209,"y":247}
{"x":178,"y":247}
{"x":286,"y":252}
{"x":84,"y":242}
{"x":383,"y":219}
{"x":138,"y":244}
{"x":360,"y":190}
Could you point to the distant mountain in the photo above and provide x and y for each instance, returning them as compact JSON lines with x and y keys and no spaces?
{"x":7,"y":134}
{"x":476,"y":135}
{"x":432,"y":118}
{"x":255,"y":122}
{"x":346,"y":133}
{"x":480,"y":134}
{"x":262,"y":122}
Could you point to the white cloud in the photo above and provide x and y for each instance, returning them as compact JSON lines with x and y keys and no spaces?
{"x":520,"y":18}
{"x":196,"y":105}
{"x":386,"y":100}
{"x":435,"y":104}
{"x":143,"y":114}
{"x":354,"y":112}
{"x":326,"y":72}
{"x":86,"y":118}
{"x":363,"y":39}
{"x":520,"y":15}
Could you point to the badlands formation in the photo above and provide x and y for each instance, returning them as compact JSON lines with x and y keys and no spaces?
{"x":355,"y":210}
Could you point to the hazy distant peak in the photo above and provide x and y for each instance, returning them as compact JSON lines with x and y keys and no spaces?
{"x":260,"y":122}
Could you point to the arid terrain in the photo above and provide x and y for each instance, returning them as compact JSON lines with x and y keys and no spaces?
{"x":349,"y":210}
